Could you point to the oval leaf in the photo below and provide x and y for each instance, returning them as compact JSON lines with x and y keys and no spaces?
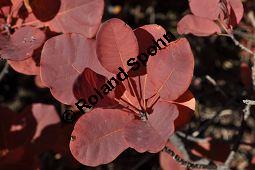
{"x":65,"y":57}
{"x":28,"y":66}
{"x":65,"y":15}
{"x":116,"y":43}
{"x":197,"y":26}
{"x":22,"y":43}
{"x":152,"y":135}
{"x":90,"y":83}
{"x":209,"y":9}
{"x":45,"y":115}
{"x":237,"y":11}
{"x":186,"y":104}
{"x":176,"y":64}
{"x":98,"y":136}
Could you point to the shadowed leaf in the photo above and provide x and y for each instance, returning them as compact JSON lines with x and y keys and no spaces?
{"x":22,"y":43}
{"x":65,"y":57}
{"x":76,"y":16}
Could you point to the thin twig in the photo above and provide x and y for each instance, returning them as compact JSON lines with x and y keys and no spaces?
{"x":249,"y":102}
{"x":190,"y":138}
{"x":4,"y":71}
{"x":214,"y":83}
{"x":238,"y":138}
{"x":186,"y":163}
{"x":251,"y":18}
{"x":237,"y":43}
{"x":245,"y":35}
{"x":142,"y":162}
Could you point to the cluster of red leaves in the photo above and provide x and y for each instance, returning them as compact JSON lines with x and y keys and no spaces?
{"x":208,"y":17}
{"x":102,"y":134}
{"x":141,"y":114}
{"x":29,"y":20}
{"x":115,"y":124}
{"x":26,"y":135}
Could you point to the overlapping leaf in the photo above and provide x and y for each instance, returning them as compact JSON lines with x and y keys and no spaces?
{"x":206,"y":9}
{"x":207,"y":14}
{"x":86,"y":84}
{"x":113,"y":39}
{"x":186,"y":105}
{"x":29,"y":66}
{"x":149,"y":128}
{"x":152,"y":135}
{"x":98,"y":136}
{"x":25,"y":136}
{"x":65,"y":57}
{"x":65,"y":15}
{"x":22,"y":43}
{"x":197,"y":26}
{"x":176,"y":69}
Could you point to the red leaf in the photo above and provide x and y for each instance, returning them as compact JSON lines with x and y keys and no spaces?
{"x":209,"y":149}
{"x":16,"y":5}
{"x":38,"y":82}
{"x":238,"y":10}
{"x":67,"y":53}
{"x":152,"y":135}
{"x":145,"y":36}
{"x":246,"y":75}
{"x":22,"y":43}
{"x":98,"y":136}
{"x":44,"y":115}
{"x":28,"y":66}
{"x":25,"y":136}
{"x":207,"y":9}
{"x":44,"y":10}
{"x":86,"y":84}
{"x":186,"y":104}
{"x":197,"y":26}
{"x":65,"y":15}
{"x":5,"y":3}
{"x":113,"y":39}
{"x":145,"y":133}
{"x":18,"y":129}
{"x":176,"y":70}
{"x":156,"y":32}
